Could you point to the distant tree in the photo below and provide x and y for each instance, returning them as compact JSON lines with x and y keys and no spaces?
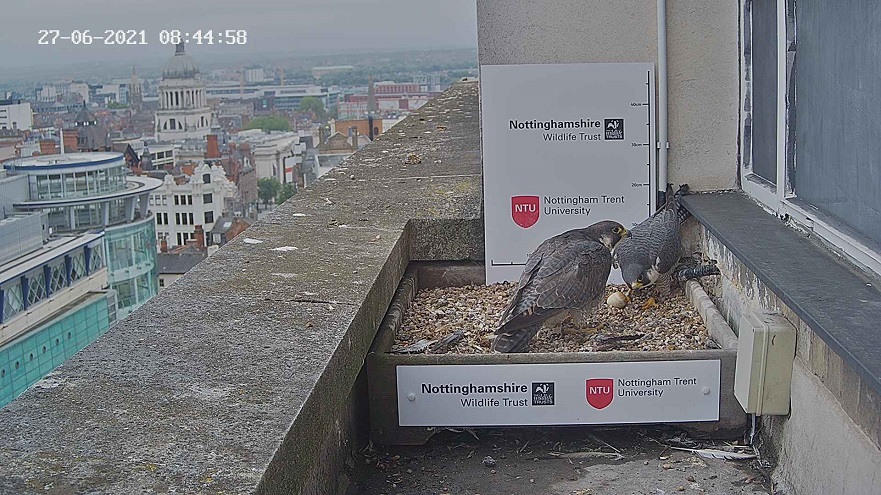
{"x":298,"y":76}
{"x":269,"y":123}
{"x":116,"y":106}
{"x":287,"y":192}
{"x":267,"y":189}
{"x":314,"y":105}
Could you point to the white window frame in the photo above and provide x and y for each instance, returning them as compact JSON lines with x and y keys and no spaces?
{"x":778,"y":199}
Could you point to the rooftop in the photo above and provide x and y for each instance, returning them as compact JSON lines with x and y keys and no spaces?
{"x":178,"y":263}
{"x":134,"y":185}
{"x":67,"y":160}
{"x":48,"y":252}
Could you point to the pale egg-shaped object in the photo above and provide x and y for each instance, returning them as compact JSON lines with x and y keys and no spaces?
{"x":617,"y":300}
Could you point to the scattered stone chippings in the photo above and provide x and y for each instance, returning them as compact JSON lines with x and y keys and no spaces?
{"x":475,"y":309}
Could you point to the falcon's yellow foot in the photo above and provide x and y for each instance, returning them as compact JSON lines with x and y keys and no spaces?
{"x":651,"y":303}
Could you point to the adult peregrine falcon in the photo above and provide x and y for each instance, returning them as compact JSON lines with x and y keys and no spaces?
{"x":567,"y":272}
{"x":648,"y":254}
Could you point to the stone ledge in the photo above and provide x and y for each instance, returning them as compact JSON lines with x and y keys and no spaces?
{"x":841,"y":306}
{"x":717,"y":327}
{"x":740,"y":291}
{"x":233,"y":378}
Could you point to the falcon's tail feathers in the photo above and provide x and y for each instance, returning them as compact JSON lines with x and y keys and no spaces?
{"x":515,"y":340}
{"x":674,"y":203}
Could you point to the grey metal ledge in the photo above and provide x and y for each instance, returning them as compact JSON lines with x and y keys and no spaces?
{"x":841,"y":305}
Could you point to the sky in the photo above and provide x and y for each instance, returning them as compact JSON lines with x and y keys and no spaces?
{"x":298,"y":27}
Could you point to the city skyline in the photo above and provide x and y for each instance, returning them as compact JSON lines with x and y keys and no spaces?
{"x":327,"y":27}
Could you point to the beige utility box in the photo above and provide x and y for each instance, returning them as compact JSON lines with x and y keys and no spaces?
{"x":765,"y":352}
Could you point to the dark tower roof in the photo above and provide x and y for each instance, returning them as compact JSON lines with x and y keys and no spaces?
{"x":90,"y":135}
{"x":84,"y":117}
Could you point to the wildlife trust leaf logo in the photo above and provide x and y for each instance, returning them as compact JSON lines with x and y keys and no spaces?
{"x":600,"y":392}
{"x":614,"y":128}
{"x":542,"y":393}
{"x":525,"y":210}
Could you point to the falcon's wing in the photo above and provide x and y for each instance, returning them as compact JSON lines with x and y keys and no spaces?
{"x":562,"y":274}
{"x":664,"y":233}
{"x":582,"y":281}
{"x":522,"y":310}
{"x":558,"y":276}
{"x":663,"y":240}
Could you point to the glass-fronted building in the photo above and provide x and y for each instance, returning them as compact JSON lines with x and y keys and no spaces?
{"x":84,"y":192}
{"x":27,"y":359}
{"x":131,"y":256}
{"x":54,"y":300}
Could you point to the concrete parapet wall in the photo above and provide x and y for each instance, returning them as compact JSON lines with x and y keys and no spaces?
{"x":831,"y":440}
{"x":241,"y":377}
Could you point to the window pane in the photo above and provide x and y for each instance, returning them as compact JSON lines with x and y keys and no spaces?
{"x":58,"y":278}
{"x":125,"y":294}
{"x":838,"y":137}
{"x":36,"y":288}
{"x":78,"y":266}
{"x":764,"y":111}
{"x":97,"y":255}
{"x":13,"y":300}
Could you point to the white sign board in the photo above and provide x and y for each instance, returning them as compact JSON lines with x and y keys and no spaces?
{"x":559,"y":393}
{"x":564,"y":146}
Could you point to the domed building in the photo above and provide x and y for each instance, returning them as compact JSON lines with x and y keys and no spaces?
{"x":183,"y":106}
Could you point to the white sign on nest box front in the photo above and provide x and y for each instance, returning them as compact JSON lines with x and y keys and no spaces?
{"x":559,"y":393}
{"x":564,"y":146}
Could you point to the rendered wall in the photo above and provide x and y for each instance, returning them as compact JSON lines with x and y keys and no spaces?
{"x":702,"y":54}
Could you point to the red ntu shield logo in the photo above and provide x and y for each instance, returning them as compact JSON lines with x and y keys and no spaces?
{"x":600,"y":392}
{"x":524,"y":210}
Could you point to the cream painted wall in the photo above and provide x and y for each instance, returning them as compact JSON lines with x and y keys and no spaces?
{"x":702,"y":54}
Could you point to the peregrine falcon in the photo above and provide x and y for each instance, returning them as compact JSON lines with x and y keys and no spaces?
{"x":567,"y":272}
{"x":648,"y":254}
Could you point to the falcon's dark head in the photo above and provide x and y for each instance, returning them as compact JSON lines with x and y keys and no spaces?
{"x":636,"y":275}
{"x":607,"y":232}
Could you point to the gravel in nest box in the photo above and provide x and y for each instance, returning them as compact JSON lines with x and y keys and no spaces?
{"x":673,"y":324}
